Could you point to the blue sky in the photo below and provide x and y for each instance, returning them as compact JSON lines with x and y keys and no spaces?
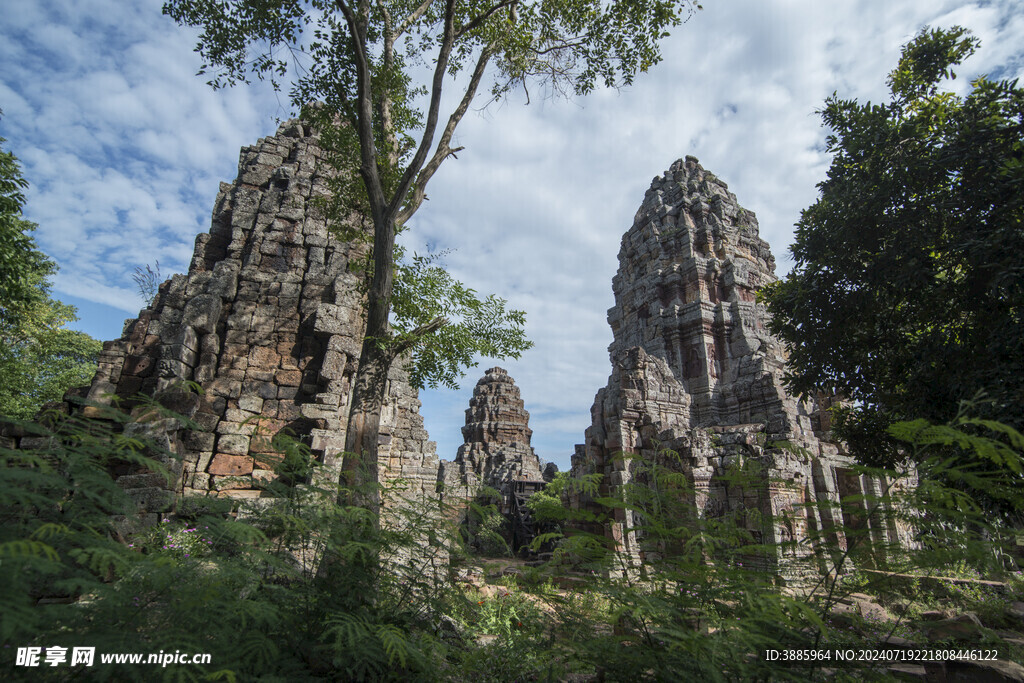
{"x":124,"y":147}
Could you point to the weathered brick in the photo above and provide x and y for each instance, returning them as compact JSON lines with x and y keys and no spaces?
{"x":231,"y":482}
{"x":288,"y":378}
{"x":227,"y":464}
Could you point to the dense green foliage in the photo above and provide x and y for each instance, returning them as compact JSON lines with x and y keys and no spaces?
{"x":907,"y":294}
{"x":249,"y":592}
{"x":21,"y":264}
{"x":39,"y":358}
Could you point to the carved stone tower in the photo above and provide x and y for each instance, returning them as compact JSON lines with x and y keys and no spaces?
{"x":497,"y":449}
{"x":696,"y":371}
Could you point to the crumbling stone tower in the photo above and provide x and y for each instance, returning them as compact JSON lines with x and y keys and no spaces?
{"x":268,"y":322}
{"x":497,"y":454}
{"x":497,"y":449}
{"x":695,"y":370}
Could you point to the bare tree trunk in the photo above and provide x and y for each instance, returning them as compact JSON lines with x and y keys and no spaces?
{"x":370,"y":383}
{"x":360,"y":468}
{"x":375,"y":358}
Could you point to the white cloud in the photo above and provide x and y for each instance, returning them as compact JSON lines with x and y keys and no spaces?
{"x":125,"y":147}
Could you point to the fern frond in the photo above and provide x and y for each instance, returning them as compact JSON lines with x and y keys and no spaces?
{"x":28,"y":548}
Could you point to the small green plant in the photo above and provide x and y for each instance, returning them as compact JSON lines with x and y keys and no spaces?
{"x":509,"y":640}
{"x":175,"y":539}
{"x":486,"y":529}
{"x":506,"y":615}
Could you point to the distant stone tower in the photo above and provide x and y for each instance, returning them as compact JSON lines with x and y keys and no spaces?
{"x":694,"y":369}
{"x":269,"y":323}
{"x":497,"y":434}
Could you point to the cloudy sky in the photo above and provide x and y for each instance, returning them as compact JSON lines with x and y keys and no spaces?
{"x":124,"y":148}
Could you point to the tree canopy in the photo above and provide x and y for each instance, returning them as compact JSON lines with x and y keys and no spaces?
{"x":39,"y":358}
{"x":21,"y":264}
{"x":907,"y":295}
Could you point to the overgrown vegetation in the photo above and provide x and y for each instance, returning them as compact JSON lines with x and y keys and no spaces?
{"x":247,"y":583}
{"x":241,"y":583}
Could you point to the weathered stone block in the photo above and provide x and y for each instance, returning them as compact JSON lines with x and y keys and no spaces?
{"x":229,"y":388}
{"x":332,"y":319}
{"x":152,"y":499}
{"x":179,"y":402}
{"x":237,"y":444}
{"x":250,"y":403}
{"x":288,"y":378}
{"x":231,"y":482}
{"x":172,"y":369}
{"x":202,"y":313}
{"x":264,"y":357}
{"x":178,"y":352}
{"x":185,"y":336}
{"x":263,"y":476}
{"x":287,"y":393}
{"x":262,"y":389}
{"x":139,"y":366}
{"x":257,"y":375}
{"x":206,"y":421}
{"x":288,"y":410}
{"x":226,"y":427}
{"x":227,"y":464}
{"x":238,"y":415}
{"x":327,"y":440}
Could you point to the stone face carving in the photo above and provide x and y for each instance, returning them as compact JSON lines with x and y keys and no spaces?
{"x":268,"y":322}
{"x":695,"y":370}
{"x":497,"y":451}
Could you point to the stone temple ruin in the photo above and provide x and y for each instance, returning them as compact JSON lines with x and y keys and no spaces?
{"x":497,"y":454}
{"x":497,"y":449}
{"x":694,"y":370}
{"x":268,"y":322}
